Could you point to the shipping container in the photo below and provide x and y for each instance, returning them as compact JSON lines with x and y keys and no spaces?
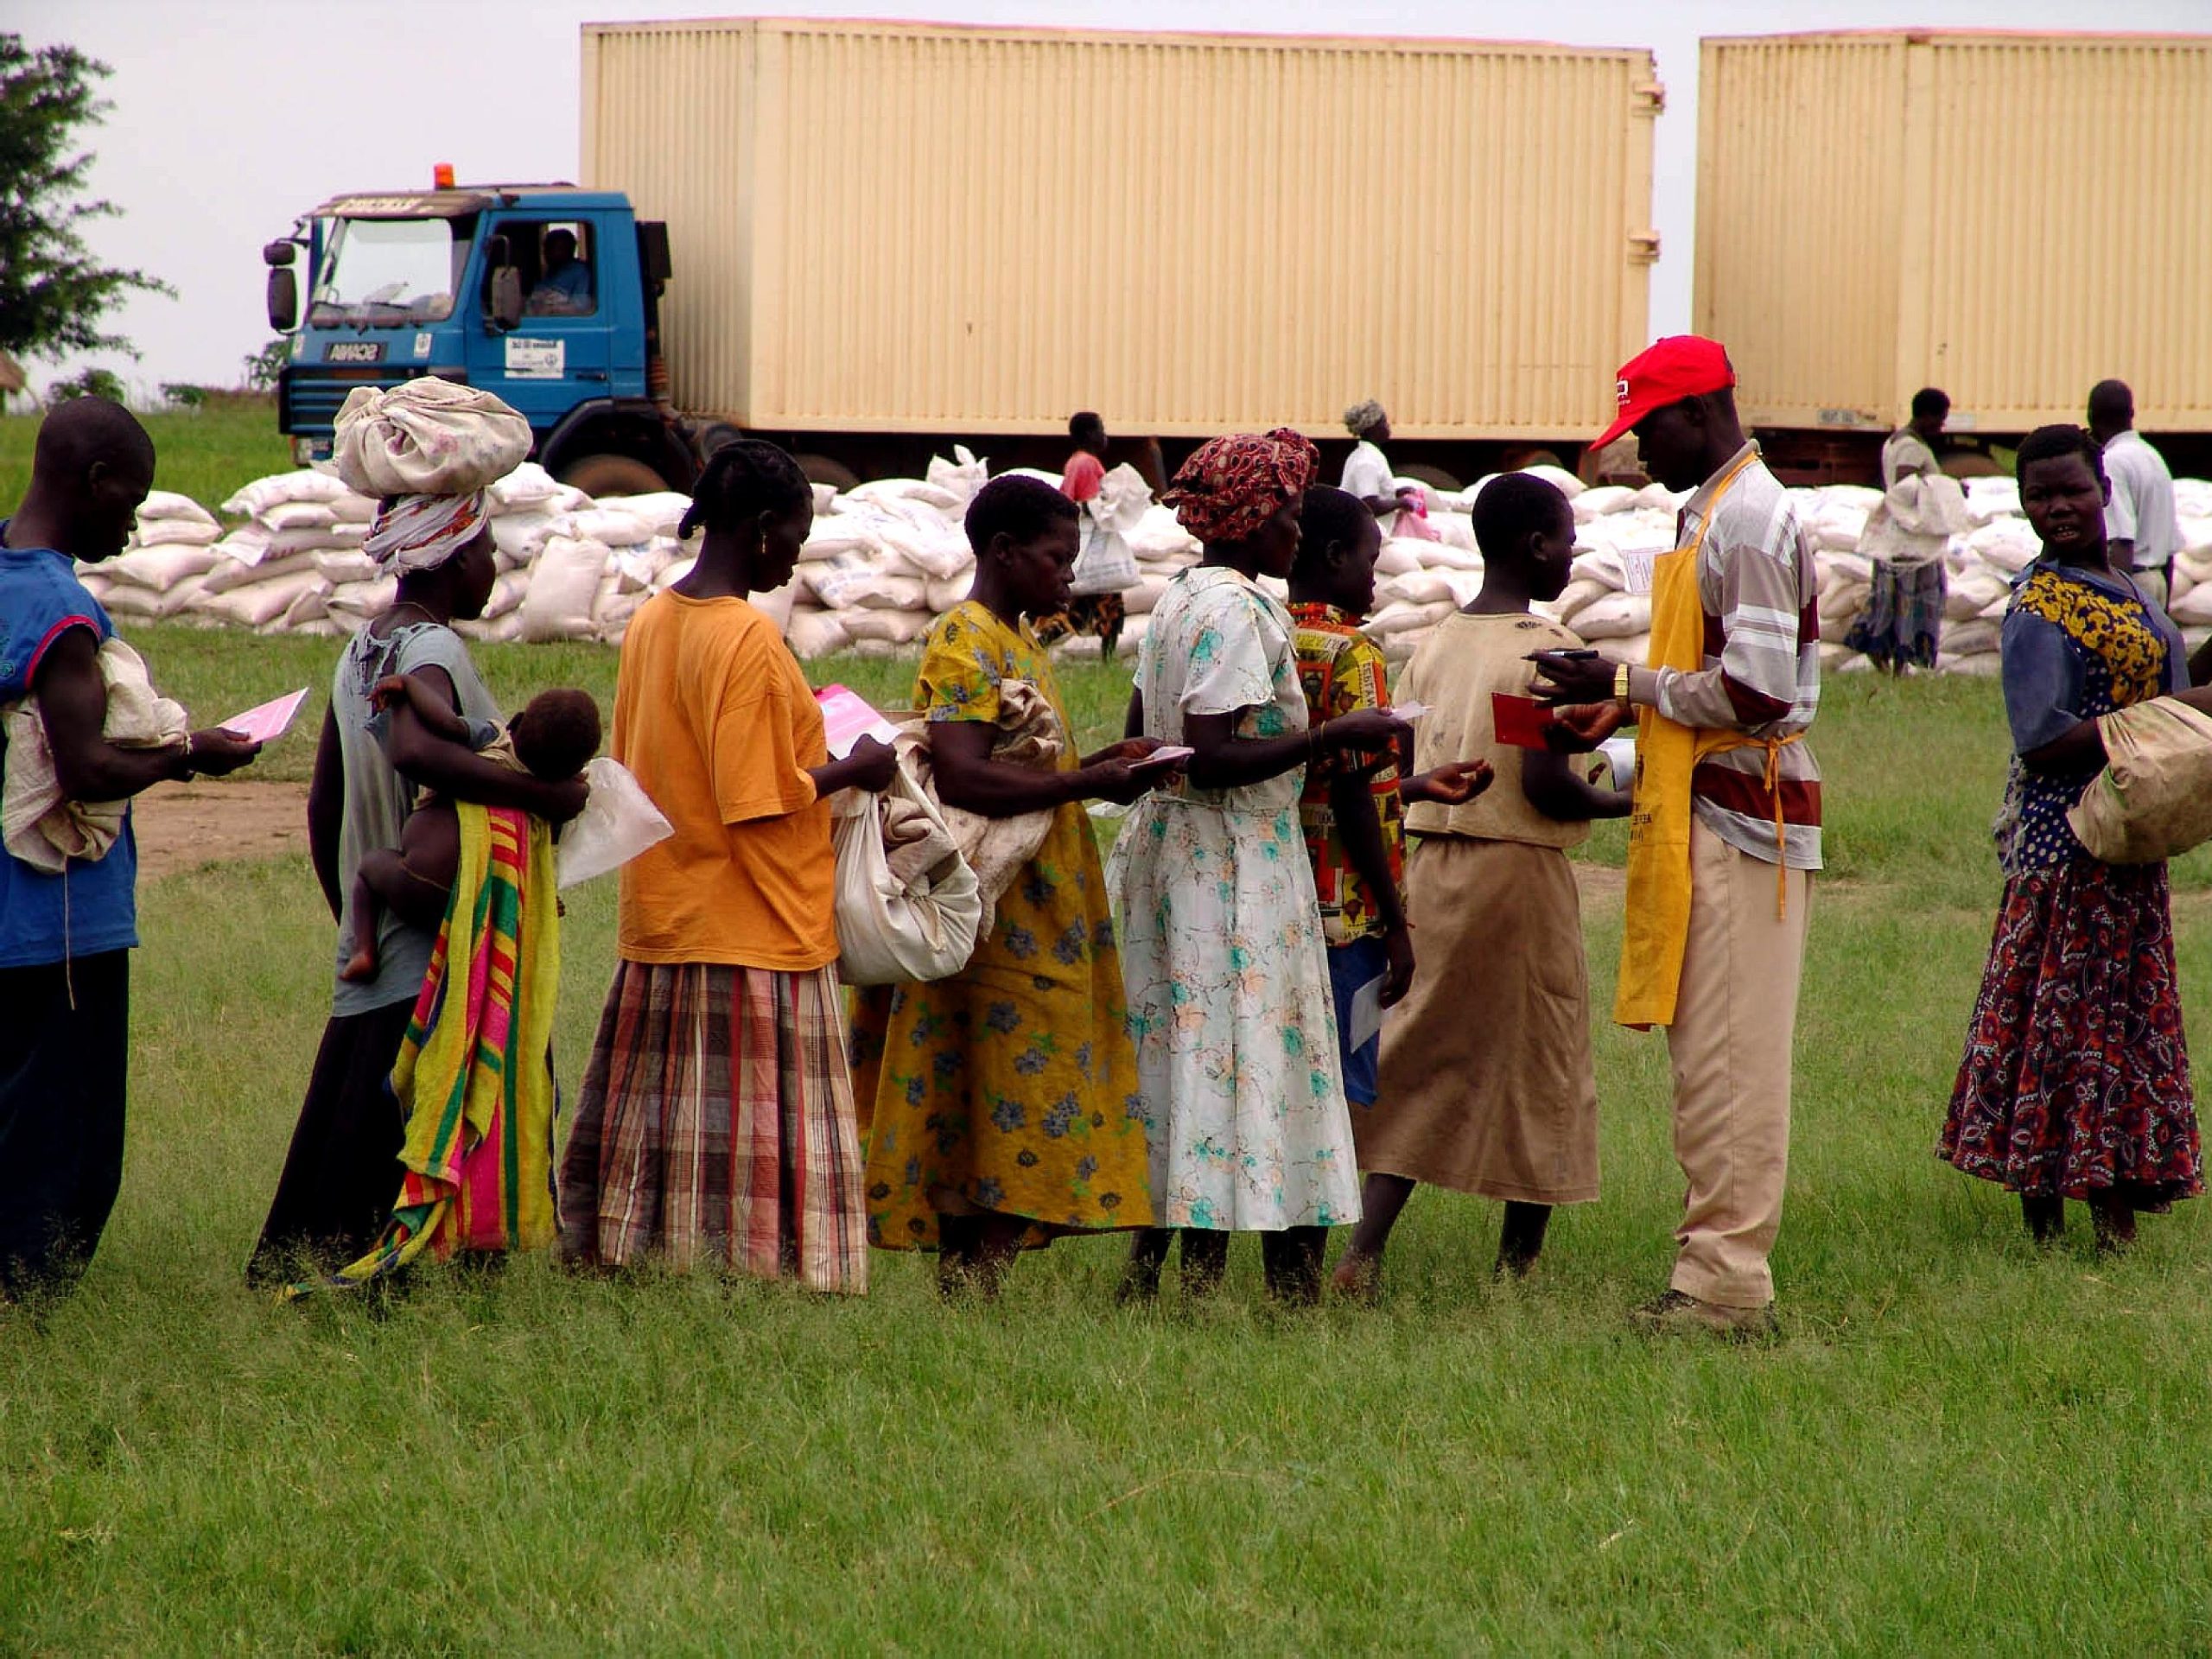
{"x":2009,"y":217}
{"x":896,"y":228}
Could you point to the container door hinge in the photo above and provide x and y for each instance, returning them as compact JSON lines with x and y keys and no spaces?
{"x":1643,"y":247}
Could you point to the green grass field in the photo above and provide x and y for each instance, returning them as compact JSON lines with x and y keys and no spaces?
{"x":1960,"y":1444}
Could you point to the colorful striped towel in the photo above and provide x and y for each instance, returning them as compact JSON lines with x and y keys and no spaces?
{"x":475,"y":1075}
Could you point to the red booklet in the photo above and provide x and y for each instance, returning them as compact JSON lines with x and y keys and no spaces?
{"x":1520,"y":721}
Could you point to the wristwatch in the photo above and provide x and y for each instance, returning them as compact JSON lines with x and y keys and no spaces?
{"x":1620,"y":683}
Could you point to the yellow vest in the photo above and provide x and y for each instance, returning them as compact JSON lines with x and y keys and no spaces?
{"x":1656,"y":928}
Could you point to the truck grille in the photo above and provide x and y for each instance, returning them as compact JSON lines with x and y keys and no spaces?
{"x":308,"y":400}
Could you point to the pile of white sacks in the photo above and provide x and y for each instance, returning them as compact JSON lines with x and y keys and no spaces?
{"x":886,"y":558}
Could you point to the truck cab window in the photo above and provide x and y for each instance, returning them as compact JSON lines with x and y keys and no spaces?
{"x":387,"y":272}
{"x":559,"y":276}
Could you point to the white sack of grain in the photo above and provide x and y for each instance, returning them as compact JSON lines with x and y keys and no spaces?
{"x":813,"y":632}
{"x":528,"y":486}
{"x":160,"y":567}
{"x":941,"y":596}
{"x":521,"y":537}
{"x":2007,"y":543}
{"x":1416,"y":588}
{"x":896,"y":628}
{"x":561,"y":589}
{"x":1448,"y":555}
{"x":609,"y":526}
{"x":1144,"y":598}
{"x":297,"y":515}
{"x":1992,"y":497}
{"x":1396,"y":558}
{"x":226,"y":574}
{"x":661,"y":512}
{"x":343,"y":565}
{"x":162,"y":506}
{"x":1601,"y":500}
{"x":1972,"y":591}
{"x":306,"y":485}
{"x":1617,"y":616}
{"x":177,"y":533}
{"x":263,"y":600}
{"x":355,"y":602}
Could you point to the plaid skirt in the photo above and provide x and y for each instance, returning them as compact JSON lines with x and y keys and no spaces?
{"x":716,"y":1124}
{"x":2076,"y":1079}
{"x":1903,"y":623}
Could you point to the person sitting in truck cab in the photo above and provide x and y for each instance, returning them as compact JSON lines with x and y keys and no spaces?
{"x":565,"y":288}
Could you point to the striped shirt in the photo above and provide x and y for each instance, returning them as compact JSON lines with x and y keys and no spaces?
{"x":1761,"y":673}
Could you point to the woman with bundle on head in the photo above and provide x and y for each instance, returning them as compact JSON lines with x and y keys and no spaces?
{"x":1001,"y":1102}
{"x":343,"y":1170}
{"x":1222,"y":948}
{"x":716,"y":1119}
{"x":2075,"y":1080}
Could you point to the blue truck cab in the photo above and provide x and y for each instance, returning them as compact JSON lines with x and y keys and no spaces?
{"x":546,"y":294}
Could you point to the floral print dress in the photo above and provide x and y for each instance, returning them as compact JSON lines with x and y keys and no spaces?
{"x":1221,"y":940}
{"x":1008,"y":1086}
{"x":2076,"y":1079}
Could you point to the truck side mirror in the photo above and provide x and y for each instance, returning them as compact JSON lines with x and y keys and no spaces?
{"x":504,"y":299}
{"x":284,"y":299}
{"x":281,"y":251}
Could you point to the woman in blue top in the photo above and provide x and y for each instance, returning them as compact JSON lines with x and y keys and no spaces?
{"x":2075,"y":1081}
{"x":66,"y":939}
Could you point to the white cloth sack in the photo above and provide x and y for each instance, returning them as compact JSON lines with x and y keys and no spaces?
{"x":618,"y":822}
{"x":37,"y":824}
{"x":2153,"y":800}
{"x":889,"y":933}
{"x":426,"y":437}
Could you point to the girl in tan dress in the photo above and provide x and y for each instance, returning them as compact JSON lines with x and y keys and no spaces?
{"x":1505,"y":1105}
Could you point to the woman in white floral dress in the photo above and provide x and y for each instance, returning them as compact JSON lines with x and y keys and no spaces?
{"x":1222,"y":950}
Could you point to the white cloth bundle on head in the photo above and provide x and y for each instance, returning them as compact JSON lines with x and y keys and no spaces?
{"x":426,"y":437}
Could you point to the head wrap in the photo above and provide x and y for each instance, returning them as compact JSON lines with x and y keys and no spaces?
{"x":420,"y":532}
{"x":1363,"y":419}
{"x":1232,"y":486}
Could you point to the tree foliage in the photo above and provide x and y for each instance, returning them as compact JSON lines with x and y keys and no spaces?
{"x":54,"y":293}
{"x":261,"y":367}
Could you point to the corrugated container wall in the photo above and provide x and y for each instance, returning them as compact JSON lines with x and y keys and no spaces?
{"x":2011,"y":218}
{"x":900,"y":228}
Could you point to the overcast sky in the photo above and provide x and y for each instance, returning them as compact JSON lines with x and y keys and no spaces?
{"x":232,"y":116}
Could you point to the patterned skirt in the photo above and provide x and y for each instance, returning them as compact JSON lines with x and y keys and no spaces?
{"x":1903,"y":618}
{"x":2075,"y":1080}
{"x":716,"y":1124}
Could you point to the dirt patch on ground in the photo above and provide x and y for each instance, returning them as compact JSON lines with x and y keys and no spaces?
{"x":183,"y":826}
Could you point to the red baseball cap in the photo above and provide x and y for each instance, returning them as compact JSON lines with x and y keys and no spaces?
{"x":1675,"y":367}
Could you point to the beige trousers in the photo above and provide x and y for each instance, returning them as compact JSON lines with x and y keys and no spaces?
{"x":1734,"y":1018}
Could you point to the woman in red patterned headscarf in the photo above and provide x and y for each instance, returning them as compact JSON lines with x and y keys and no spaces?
{"x":1222,"y":951}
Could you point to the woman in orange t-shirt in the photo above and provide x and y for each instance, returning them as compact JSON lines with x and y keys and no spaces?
{"x":716,"y":1118}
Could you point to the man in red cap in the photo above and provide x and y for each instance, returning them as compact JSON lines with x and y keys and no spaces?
{"x":1725,"y":828}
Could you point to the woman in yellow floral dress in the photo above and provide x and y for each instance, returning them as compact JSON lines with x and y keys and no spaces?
{"x":1004,"y":1108}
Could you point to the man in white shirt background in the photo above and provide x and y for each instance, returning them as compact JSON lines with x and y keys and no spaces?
{"x":2141,"y":528}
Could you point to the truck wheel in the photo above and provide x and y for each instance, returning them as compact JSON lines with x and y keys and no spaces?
{"x":597,"y":475}
{"x":718,"y":434}
{"x":820,"y":469}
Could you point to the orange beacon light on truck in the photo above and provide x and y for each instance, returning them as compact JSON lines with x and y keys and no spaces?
{"x":441,"y":177}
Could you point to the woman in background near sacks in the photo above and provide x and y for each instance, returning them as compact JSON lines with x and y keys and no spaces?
{"x":1222,"y":949}
{"x":716,"y":1118}
{"x":1905,"y":540}
{"x":1104,"y":566}
{"x":428,"y":450}
{"x":2075,"y":1080}
{"x":1367,"y":470}
{"x":1000,"y":1104}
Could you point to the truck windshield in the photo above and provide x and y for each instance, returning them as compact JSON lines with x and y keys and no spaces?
{"x":388,"y":271}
